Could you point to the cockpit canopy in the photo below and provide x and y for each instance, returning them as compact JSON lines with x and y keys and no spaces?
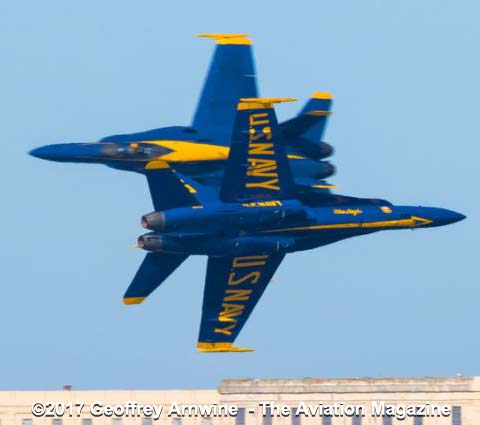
{"x":133,"y":150}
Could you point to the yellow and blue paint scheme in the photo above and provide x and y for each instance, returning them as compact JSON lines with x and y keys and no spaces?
{"x":201,"y":149}
{"x":248,"y":226}
{"x":263,"y":195}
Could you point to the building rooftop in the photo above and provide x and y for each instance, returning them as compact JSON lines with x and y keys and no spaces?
{"x":349,"y":385}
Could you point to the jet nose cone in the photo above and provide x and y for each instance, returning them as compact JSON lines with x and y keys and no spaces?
{"x":59,"y":152}
{"x":442,"y":216}
{"x":453,"y":217}
{"x":44,"y":152}
{"x":68,"y":152}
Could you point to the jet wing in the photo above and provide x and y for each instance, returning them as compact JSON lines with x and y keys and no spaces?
{"x":257,"y":165}
{"x":232,"y":289}
{"x":231,"y":76}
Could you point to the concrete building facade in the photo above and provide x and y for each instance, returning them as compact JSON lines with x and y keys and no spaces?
{"x":361,"y":401}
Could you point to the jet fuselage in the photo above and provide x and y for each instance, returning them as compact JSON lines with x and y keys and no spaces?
{"x":197,"y":158}
{"x":272,"y":226}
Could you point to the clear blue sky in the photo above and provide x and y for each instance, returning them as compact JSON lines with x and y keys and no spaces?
{"x":405,"y":76}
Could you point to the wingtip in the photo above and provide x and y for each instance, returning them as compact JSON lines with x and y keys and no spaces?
{"x":133,"y":300}
{"x":221,"y":347}
{"x":325,"y":95}
{"x":225,"y":38}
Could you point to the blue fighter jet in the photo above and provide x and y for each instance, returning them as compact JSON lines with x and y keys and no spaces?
{"x":201,"y":149}
{"x":242,"y":189}
{"x":249,"y":225}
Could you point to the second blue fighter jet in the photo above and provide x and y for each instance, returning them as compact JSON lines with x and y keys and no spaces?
{"x":201,"y":149}
{"x":249,"y":225}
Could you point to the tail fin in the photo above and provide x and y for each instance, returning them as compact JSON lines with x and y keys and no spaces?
{"x":311,"y":121}
{"x":257,"y":166}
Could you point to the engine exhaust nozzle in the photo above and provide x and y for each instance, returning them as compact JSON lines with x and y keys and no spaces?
{"x":150,"y":242}
{"x":153,"y":221}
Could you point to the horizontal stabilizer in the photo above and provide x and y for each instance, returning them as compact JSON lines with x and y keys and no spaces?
{"x":154,"y":269}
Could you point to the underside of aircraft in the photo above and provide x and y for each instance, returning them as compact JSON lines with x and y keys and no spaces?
{"x":240,"y":188}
